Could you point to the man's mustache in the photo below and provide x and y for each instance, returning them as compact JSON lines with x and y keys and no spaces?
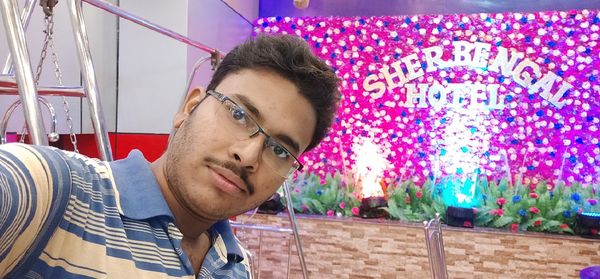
{"x":239,"y":171}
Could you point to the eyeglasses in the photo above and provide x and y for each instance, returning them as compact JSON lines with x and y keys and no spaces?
{"x":242,"y":126}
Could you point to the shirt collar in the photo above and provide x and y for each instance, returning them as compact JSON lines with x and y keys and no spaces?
{"x":139,"y":194}
{"x":234,"y":251}
{"x":140,"y":198}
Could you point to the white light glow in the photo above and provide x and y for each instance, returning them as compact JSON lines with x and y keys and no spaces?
{"x":369,"y":166}
{"x":463,"y":142}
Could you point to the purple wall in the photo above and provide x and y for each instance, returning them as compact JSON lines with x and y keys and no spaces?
{"x":411,"y":7}
{"x":217,"y":25}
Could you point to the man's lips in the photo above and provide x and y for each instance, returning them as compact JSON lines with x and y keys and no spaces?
{"x":228,"y":181}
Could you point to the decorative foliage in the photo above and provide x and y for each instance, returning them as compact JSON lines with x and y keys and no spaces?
{"x":408,"y":202}
{"x":333,"y":195}
{"x":541,"y":207}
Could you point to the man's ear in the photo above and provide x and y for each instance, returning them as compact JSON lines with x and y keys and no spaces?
{"x":192,"y":100}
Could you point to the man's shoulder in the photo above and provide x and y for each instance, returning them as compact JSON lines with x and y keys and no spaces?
{"x":37,"y":181}
{"x":27,"y":151}
{"x":31,"y":157}
{"x":25,"y":156}
{"x":85,"y":163}
{"x":24,"y":150}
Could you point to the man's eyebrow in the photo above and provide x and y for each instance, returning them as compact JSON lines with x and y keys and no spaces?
{"x":257,"y":116}
{"x":249,"y":106}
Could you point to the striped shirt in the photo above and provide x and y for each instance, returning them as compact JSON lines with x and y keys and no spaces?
{"x":63,"y":215}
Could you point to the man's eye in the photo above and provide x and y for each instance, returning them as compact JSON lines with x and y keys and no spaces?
{"x":280,"y":152}
{"x":238,"y":114}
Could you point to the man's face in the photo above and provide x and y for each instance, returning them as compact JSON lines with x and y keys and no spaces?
{"x":212,"y":171}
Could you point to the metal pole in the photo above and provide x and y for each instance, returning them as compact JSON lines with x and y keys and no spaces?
{"x":286,"y":191}
{"x":143,"y":22}
{"x":435,"y":248}
{"x":24,"y":76}
{"x":259,"y":227}
{"x":89,"y":79}
{"x":25,"y":17}
{"x":289,"y":261}
{"x":259,"y":253}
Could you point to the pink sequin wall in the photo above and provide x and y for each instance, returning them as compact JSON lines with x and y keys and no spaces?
{"x":462,"y":95}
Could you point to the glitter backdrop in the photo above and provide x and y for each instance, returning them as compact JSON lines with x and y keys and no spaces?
{"x":458,"y":103}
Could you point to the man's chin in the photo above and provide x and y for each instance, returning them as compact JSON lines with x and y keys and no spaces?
{"x":214,"y":213}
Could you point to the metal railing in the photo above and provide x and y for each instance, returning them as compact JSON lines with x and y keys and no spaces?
{"x":435,"y":247}
{"x":15,"y":36}
{"x":255,"y":262}
{"x":25,"y":17}
{"x":88,"y":75}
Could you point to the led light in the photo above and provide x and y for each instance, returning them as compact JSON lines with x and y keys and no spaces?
{"x":460,"y":217}
{"x":587,"y":224}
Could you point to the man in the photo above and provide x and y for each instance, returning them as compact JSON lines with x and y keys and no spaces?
{"x":66,"y":216}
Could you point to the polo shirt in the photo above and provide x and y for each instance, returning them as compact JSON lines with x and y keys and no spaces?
{"x":64,"y":215}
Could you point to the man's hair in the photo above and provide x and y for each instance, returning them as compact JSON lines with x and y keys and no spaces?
{"x":290,"y":57}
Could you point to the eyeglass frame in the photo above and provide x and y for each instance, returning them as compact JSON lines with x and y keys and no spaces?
{"x":222,"y":98}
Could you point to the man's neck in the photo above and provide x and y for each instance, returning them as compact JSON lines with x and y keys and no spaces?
{"x":196,"y":250}
{"x":190,"y":225}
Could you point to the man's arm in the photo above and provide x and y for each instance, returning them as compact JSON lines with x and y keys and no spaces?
{"x":30,"y":200}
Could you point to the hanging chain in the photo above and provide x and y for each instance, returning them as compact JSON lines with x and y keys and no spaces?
{"x":58,"y":75}
{"x":49,"y":42}
{"x":23,"y":131}
{"x":44,"y":52}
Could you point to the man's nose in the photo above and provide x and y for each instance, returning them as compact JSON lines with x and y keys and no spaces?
{"x":248,"y":152}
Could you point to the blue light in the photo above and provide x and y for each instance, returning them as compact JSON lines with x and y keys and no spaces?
{"x":591,"y":214}
{"x":460,"y":194}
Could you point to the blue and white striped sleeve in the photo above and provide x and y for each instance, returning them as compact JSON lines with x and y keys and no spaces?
{"x":34,"y":190}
